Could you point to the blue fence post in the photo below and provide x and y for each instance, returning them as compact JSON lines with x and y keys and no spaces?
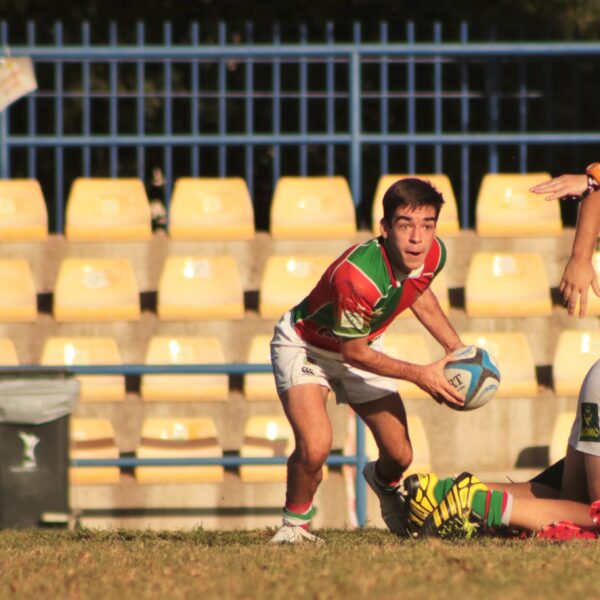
{"x":464,"y":126}
{"x":140,"y":103}
{"x":59,"y":172}
{"x":411,"y":111}
{"x":355,"y":126}
{"x":361,"y":484}
{"x":113,"y":103}
{"x":303,"y":105}
{"x":330,"y":109}
{"x":384,"y":90}
{"x":194,"y":104}
{"x":168,"y":120}
{"x":31,"y":113}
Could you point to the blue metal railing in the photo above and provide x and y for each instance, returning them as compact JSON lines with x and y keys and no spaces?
{"x":210,"y":102}
{"x":358,"y":460}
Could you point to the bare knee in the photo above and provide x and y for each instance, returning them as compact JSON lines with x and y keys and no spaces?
{"x":312,"y":456}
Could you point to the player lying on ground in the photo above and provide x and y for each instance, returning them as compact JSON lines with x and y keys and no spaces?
{"x":332,"y":340}
{"x":563,"y":492}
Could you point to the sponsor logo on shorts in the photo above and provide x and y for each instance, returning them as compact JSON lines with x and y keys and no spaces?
{"x":307,"y":371}
{"x":590,"y":424}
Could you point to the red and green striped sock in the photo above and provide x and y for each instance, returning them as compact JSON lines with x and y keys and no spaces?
{"x":298,"y":515}
{"x":493,"y":507}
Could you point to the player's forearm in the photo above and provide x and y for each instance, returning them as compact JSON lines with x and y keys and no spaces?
{"x":429,"y":312}
{"x":588,"y":227}
{"x":371,"y":360}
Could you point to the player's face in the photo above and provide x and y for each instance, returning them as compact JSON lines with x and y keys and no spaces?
{"x":409,"y":236}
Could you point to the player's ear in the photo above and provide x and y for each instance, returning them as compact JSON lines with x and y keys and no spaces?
{"x":383,"y":228}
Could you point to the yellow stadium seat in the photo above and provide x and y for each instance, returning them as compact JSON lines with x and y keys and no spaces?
{"x":8,"y":353}
{"x":269,"y":435}
{"x":507,"y":285}
{"x":18,"y":298}
{"x":421,"y":453}
{"x":108,"y":210}
{"x":260,"y":386}
{"x":23,"y":213}
{"x":200,"y":288}
{"x":575,"y":354}
{"x":93,"y":439}
{"x":96,"y":289}
{"x":179,"y":438}
{"x":312,"y":208}
{"x":184,"y":351}
{"x":410,"y":347}
{"x":513,"y":353}
{"x":211,"y":209}
{"x":439,"y":287}
{"x":448,"y":221}
{"x":88,"y":351}
{"x":560,"y":436}
{"x":288,"y":279}
{"x":506,"y":207}
{"x":593,"y":301}
{"x":265,"y":436}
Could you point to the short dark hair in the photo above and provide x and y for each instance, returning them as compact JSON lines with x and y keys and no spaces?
{"x":411,"y":193}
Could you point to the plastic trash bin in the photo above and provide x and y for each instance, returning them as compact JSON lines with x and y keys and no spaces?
{"x":34,"y":445}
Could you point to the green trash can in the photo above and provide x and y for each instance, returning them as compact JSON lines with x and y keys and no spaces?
{"x":34,"y":445}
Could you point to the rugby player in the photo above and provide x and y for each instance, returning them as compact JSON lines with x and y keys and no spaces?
{"x":332,"y":340}
{"x":563,"y":502}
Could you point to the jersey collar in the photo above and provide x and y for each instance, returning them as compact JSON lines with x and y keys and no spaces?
{"x":397,"y":278}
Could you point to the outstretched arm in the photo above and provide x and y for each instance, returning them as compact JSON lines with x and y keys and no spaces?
{"x":580,"y":273}
{"x":358,"y":353}
{"x":562,"y":187}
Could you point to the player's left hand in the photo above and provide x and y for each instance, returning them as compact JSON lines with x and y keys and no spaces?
{"x":577,"y":278}
{"x":562,"y":187}
{"x":433,"y":381}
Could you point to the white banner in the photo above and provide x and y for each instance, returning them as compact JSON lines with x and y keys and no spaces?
{"x":16,"y":79}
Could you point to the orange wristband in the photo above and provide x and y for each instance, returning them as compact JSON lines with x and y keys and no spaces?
{"x":593,"y":171}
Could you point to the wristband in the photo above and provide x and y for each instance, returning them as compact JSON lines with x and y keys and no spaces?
{"x":593,"y":178}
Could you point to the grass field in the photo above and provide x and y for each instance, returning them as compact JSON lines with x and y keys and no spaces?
{"x":352,"y":564}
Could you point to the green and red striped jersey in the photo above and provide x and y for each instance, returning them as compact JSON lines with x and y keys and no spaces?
{"x":359,"y":295}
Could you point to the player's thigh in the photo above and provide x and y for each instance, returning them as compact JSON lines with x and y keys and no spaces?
{"x":592,"y":469}
{"x":574,"y":481}
{"x":386,"y":418}
{"x":306,"y":409}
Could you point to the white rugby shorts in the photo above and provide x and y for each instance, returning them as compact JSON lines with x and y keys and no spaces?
{"x":295,"y":363}
{"x":585,"y":434}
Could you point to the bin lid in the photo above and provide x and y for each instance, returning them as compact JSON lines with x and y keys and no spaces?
{"x":36,"y":396}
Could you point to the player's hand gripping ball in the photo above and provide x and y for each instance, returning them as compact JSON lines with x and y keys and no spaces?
{"x":475,"y":374}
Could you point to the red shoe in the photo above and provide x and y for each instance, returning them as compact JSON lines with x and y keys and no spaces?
{"x":595,"y":512}
{"x":566,"y":530}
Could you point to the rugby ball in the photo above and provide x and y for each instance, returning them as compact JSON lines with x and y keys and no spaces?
{"x":475,"y":374}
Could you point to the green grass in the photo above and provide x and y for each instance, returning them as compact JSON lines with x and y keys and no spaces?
{"x":241,"y":564}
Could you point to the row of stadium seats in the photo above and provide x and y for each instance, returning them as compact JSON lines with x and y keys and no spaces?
{"x":264,"y":436}
{"x":498,"y":284}
{"x":303,"y":208}
{"x":575,"y":353}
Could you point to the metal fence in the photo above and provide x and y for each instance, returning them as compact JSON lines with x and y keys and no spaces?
{"x":358,"y":460}
{"x":226,"y":104}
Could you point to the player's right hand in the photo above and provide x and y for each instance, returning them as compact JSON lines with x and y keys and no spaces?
{"x":561,"y":187}
{"x":579,"y":275}
{"x":431,"y":379}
